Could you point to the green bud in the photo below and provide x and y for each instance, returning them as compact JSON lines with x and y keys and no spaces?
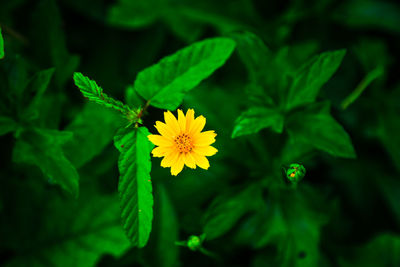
{"x":194,"y":242}
{"x":295,"y":172}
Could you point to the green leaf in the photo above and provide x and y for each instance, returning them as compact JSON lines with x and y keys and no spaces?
{"x":167,"y":251}
{"x":42,"y":148}
{"x":75,"y":233}
{"x":93,"y":92}
{"x":321,"y":131}
{"x":33,"y":93}
{"x":255,"y":119}
{"x":227,"y":209}
{"x":93,"y":128}
{"x":166,"y":82}
{"x":1,"y":45}
{"x":7,"y":125}
{"x":312,"y":76}
{"x":383,"y":250}
{"x":135,"y":189}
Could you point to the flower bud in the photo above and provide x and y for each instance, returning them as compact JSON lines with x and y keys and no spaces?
{"x":295,"y":172}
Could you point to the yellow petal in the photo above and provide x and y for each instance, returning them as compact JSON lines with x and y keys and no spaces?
{"x":205,"y":150}
{"x":159,"y":140}
{"x":189,"y":118}
{"x":189,"y":161}
{"x":171,"y":122}
{"x":178,"y":165}
{"x":204,"y":139}
{"x":198,"y":125}
{"x":163,"y":129}
{"x":201,"y":161}
{"x":169,"y":159}
{"x":161,"y":151}
{"x":181,"y":121}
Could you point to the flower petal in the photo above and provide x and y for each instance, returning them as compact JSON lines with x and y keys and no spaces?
{"x":171,"y":122}
{"x":177,"y":167}
{"x":189,"y":161}
{"x":205,"y":150}
{"x":189,"y":118}
{"x":169,"y":159}
{"x":201,"y":161}
{"x":198,"y":125}
{"x":181,"y":120}
{"x":159,"y":140}
{"x":164,"y":130}
{"x":161,"y":151}
{"x":204,"y":139}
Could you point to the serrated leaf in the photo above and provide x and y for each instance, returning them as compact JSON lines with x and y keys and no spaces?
{"x":93,"y":92}
{"x":42,"y":148}
{"x":94,"y":128}
{"x":165,"y":83}
{"x":135,"y":189}
{"x":312,"y":76}
{"x":7,"y":125}
{"x":227,"y":209}
{"x":1,"y":45}
{"x":255,"y":119}
{"x":76,"y":233}
{"x":321,"y":131}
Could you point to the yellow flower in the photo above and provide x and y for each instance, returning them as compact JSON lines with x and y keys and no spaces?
{"x":182,"y":143}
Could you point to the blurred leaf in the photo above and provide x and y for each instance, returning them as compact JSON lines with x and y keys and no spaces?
{"x":94,"y":128}
{"x":312,"y":76}
{"x":7,"y":125}
{"x":368,"y":79}
{"x":257,"y":118}
{"x":74,"y":234}
{"x":93,"y":92}
{"x":49,"y":41}
{"x":321,"y":131}
{"x":383,"y":250}
{"x":227,"y":209}
{"x":290,"y":221}
{"x":167,"y":251}
{"x":389,"y":130}
{"x":32,"y":96}
{"x":42,"y":148}
{"x":370,"y":14}
{"x":135,"y":189}
{"x":132,"y":98}
{"x":1,"y":45}
{"x":255,"y":55}
{"x":134,"y":14}
{"x":166,"y":82}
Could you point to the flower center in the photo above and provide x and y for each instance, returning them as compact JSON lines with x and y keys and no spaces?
{"x":184,"y":143}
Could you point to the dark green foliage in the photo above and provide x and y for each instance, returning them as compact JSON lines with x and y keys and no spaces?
{"x":304,"y":98}
{"x":135,"y":189}
{"x":43,"y":149}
